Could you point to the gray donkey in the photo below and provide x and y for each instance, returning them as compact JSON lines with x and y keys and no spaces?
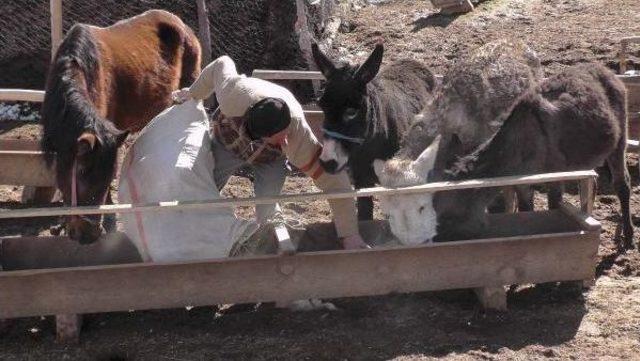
{"x":478,"y":93}
{"x":572,"y":121}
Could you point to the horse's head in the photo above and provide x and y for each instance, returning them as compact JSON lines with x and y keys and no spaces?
{"x":84,"y":178}
{"x":412,"y":217}
{"x":344,"y":103}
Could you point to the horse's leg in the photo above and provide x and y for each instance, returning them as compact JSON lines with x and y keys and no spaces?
{"x":109,"y":221}
{"x":525,"y":198}
{"x":621,"y":182}
{"x":554,"y":196}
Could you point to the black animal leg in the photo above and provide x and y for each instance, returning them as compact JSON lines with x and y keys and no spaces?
{"x":365,"y":208}
{"x":365,"y":204}
{"x":554,"y":197}
{"x":525,"y":198}
{"x":109,"y":220}
{"x":622,"y":184}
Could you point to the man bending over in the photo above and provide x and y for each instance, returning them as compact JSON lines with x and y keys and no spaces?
{"x":261,"y":124}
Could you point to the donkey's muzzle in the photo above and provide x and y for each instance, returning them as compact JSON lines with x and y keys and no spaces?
{"x":84,"y":230}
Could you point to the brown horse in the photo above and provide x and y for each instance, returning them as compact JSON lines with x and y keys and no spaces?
{"x":103,"y":83}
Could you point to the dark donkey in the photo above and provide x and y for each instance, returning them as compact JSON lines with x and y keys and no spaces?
{"x":367,"y":113}
{"x":575,"y":120}
{"x":104,"y":82}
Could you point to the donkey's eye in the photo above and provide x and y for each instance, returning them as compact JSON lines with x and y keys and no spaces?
{"x":421,"y":209}
{"x":350,"y":113}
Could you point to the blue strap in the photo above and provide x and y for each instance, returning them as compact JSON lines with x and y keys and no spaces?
{"x":340,"y":136}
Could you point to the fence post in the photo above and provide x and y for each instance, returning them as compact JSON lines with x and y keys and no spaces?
{"x":204,"y":35}
{"x":587,"y":194}
{"x":56,"y":25}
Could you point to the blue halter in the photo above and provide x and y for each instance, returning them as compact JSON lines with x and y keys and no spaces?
{"x":340,"y":136}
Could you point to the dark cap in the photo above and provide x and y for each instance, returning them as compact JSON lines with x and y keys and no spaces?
{"x":267,"y":117}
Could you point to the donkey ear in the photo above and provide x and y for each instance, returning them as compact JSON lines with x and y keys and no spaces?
{"x":368,"y":70}
{"x":121,"y":137}
{"x":322,"y":61}
{"x":86,"y":142}
{"x":378,"y":167}
{"x":425,"y":162}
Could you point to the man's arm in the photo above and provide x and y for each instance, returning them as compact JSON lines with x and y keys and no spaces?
{"x":303,"y":151}
{"x":204,"y":86}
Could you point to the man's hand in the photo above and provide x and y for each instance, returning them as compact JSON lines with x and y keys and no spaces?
{"x":181,"y":96}
{"x":354,"y":242}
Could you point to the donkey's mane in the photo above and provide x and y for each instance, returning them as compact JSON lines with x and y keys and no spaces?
{"x":67,"y":110}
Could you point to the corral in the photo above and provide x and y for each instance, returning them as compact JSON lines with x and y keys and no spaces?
{"x":403,"y":312}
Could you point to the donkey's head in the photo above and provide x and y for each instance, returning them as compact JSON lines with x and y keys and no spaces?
{"x":412,"y":217}
{"x":344,"y":103}
{"x":84,"y":175}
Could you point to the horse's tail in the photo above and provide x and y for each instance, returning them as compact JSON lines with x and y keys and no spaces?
{"x":67,"y":109}
{"x":191,"y":58}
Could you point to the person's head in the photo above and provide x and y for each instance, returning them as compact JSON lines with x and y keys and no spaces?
{"x":269,"y":119}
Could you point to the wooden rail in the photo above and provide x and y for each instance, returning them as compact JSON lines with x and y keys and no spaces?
{"x":560,"y":253}
{"x":56,"y":25}
{"x":365,"y":192}
{"x":22,"y":95}
{"x":25,"y":167}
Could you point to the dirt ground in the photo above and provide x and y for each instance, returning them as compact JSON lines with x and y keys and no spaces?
{"x":552,"y":321}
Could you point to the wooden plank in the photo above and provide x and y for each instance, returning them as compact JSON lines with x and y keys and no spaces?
{"x":465,"y":264}
{"x":510,"y":200}
{"x":630,"y":80}
{"x":630,"y":39}
{"x":314,"y":115}
{"x":584,"y":220}
{"x":20,"y":253}
{"x":587,"y":194}
{"x":204,"y":32}
{"x":26,"y":168}
{"x":68,"y":328}
{"x":492,"y":298}
{"x":204,"y":36}
{"x":445,"y":3}
{"x":365,"y":192}
{"x":287,"y":74}
{"x":56,"y":25}
{"x":453,"y":6}
{"x":622,"y":56}
{"x":19,"y":144}
{"x":269,"y":74}
{"x":23,"y":95}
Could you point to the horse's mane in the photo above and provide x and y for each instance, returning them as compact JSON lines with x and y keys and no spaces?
{"x":67,"y":110}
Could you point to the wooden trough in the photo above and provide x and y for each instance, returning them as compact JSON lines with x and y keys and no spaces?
{"x":22,"y":163}
{"x":545,"y":246}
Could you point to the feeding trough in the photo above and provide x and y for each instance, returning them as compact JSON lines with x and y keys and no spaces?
{"x":531,"y":247}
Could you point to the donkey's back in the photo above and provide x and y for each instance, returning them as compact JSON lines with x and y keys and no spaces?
{"x":408,"y":83}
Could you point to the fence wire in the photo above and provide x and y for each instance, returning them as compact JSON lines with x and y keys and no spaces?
{"x":255,"y":33}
